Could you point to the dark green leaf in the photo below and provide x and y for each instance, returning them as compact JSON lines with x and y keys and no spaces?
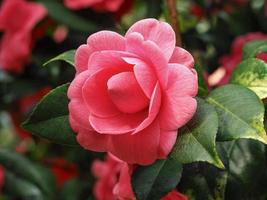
{"x":26,"y":173}
{"x":156,"y":180}
{"x":247,"y":174}
{"x":63,"y":15}
{"x":196,"y":140}
{"x":50,"y":118}
{"x":252,"y":73}
{"x":252,"y":48}
{"x":240,"y":113}
{"x":67,"y":56}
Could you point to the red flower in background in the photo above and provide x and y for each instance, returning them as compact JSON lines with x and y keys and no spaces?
{"x":98,"y":5}
{"x":17,"y":19}
{"x":63,"y":170}
{"x":229,"y":62}
{"x":110,"y":187}
{"x":25,"y":104}
{"x":2,"y":177}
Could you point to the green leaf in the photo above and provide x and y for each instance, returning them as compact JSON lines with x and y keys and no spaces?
{"x":202,"y":87}
{"x":252,"y":48}
{"x":27,"y":175}
{"x":22,"y":189}
{"x":156,"y":180}
{"x":247,"y":174}
{"x":240,"y":113}
{"x":50,"y":118}
{"x":63,"y":15}
{"x":196,"y":140}
{"x":252,"y":73}
{"x":67,"y":56}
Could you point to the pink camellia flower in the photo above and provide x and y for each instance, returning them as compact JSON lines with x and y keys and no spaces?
{"x":132,"y":93}
{"x":17,"y":19}
{"x":2,"y":177}
{"x":229,"y":62}
{"x":110,"y":187}
{"x":98,"y":5}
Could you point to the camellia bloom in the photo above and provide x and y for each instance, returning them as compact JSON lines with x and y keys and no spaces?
{"x":98,"y":5}
{"x":229,"y":62}
{"x":110,"y":187}
{"x":132,"y":93}
{"x":17,"y":19}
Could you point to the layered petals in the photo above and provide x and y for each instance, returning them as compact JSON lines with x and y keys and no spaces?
{"x":138,"y":148}
{"x":132,"y":93}
{"x":160,"y":33}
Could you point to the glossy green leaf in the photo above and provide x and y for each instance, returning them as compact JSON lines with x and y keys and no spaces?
{"x":251,"y":49}
{"x":63,"y":15}
{"x":240,"y":112}
{"x":202,"y":87}
{"x":50,"y":118}
{"x":27,"y":179}
{"x":156,"y":180}
{"x":252,"y":73}
{"x":67,"y":56}
{"x":247,"y":174}
{"x":196,"y":140}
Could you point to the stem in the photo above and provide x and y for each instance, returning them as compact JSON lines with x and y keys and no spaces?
{"x":171,"y":4}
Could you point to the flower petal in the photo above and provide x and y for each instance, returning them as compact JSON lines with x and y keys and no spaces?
{"x":160,"y":33}
{"x":179,"y":105}
{"x":154,"y":108}
{"x":126,"y":93}
{"x":93,"y":141}
{"x":150,"y":53}
{"x":166,"y":142}
{"x":119,"y":124}
{"x":102,"y":40}
{"x":144,"y":75}
{"x":96,"y":96}
{"x":183,"y":57}
{"x":141,"y":148}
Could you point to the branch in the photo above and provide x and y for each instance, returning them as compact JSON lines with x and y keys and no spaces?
{"x":171,"y":4}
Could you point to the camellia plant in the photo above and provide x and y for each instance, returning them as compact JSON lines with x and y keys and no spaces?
{"x":140,"y":100}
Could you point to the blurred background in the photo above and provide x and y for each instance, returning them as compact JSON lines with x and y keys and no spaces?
{"x":33,"y":32}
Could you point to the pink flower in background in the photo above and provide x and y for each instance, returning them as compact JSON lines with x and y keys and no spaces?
{"x":110,"y":187}
{"x":132,"y":93}
{"x":17,"y":20}
{"x":229,"y":62}
{"x":98,"y":5}
{"x":2,"y":177}
{"x":106,"y":173}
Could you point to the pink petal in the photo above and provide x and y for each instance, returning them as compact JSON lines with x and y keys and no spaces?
{"x":96,"y":96}
{"x":102,"y":40}
{"x":150,"y":54}
{"x":123,"y":189}
{"x":141,"y":148}
{"x":119,"y":124}
{"x":92,"y":141}
{"x":174,"y":195}
{"x":106,"y":40}
{"x":183,"y":57}
{"x":179,"y":105}
{"x":166,"y":143}
{"x":160,"y":33}
{"x":126,"y":93}
{"x":154,"y":108}
{"x":81,"y":58}
{"x":144,"y":75}
{"x":77,"y":107}
{"x":109,"y":59}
